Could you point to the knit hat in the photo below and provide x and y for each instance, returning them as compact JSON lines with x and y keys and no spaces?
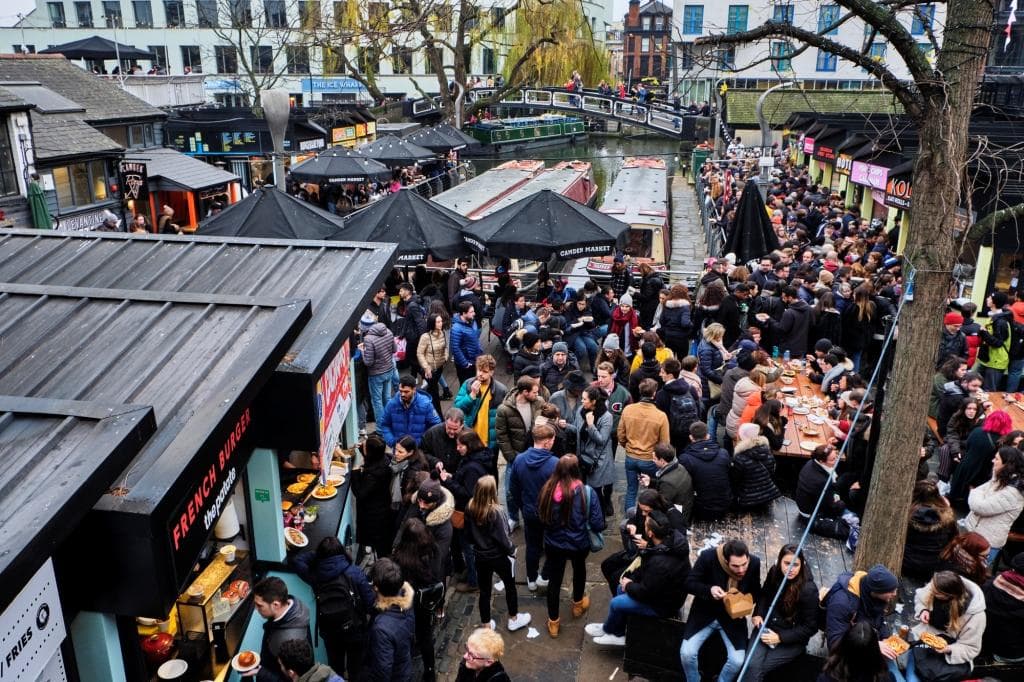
{"x":822,"y":345}
{"x":879,"y":580}
{"x":619,"y":259}
{"x":469,"y":283}
{"x":560,"y":347}
{"x":368,"y":319}
{"x":626,"y":299}
{"x":430,"y":491}
{"x":953,"y":318}
{"x":529,"y":338}
{"x":575,"y":380}
{"x":611,"y":341}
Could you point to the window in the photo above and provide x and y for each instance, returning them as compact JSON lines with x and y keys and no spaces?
{"x":346,"y":15}
{"x":826,"y":61}
{"x":737,"y":18}
{"x":693,"y":19}
{"x":332,"y":62}
{"x":143,"y":10}
{"x":780,"y":52}
{"x":81,"y":184}
{"x":443,"y":18}
{"x":241,"y":13}
{"x":659,"y":23}
{"x":141,"y":135}
{"x":828,"y":15}
{"x":174,"y":13}
{"x":309,"y":14}
{"x":226,"y":57}
{"x":685,"y":56}
{"x":645,"y":45}
{"x":924,"y":17}
{"x":877,"y":51}
{"x":497,"y":19}
{"x":262,"y":58}
{"x":782,"y":14}
{"x":378,"y":15}
{"x":24,"y":49}
{"x":727,"y":58}
{"x":56,"y":14}
{"x":112,"y":14}
{"x":83,"y":12}
{"x":207,"y":14}
{"x":369,"y":60}
{"x":645,"y":24}
{"x":298,"y":58}
{"x":401,"y":60}
{"x":226,"y":99}
{"x":926,"y":48}
{"x":487,"y":60}
{"x":277,"y":17}
{"x":159,"y":56}
{"x":8,"y":176}
{"x":191,"y":59}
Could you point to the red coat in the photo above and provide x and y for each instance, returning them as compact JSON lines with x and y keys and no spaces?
{"x":619,"y":322}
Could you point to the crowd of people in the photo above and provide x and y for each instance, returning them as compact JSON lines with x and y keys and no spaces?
{"x":687,"y":388}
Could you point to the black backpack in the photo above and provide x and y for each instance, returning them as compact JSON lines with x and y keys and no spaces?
{"x":339,"y":607}
{"x":1016,"y":349}
{"x":683,"y":410}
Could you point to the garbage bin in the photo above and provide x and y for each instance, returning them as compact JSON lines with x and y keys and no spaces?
{"x":697,"y":159}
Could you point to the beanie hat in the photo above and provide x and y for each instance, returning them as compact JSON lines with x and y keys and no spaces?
{"x":368,"y":319}
{"x":470,"y":283}
{"x":611,"y":342}
{"x":575,"y":380}
{"x":999,"y":299}
{"x":953,"y":318}
{"x":626,"y":299}
{"x":430,"y":491}
{"x":879,"y":579}
{"x":619,"y":259}
{"x":822,"y":345}
{"x":529,"y":338}
{"x":560,"y":347}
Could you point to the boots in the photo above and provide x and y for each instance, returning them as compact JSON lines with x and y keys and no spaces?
{"x":580,"y":607}
{"x":553,"y":626}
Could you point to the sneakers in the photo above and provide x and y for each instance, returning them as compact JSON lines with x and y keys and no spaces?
{"x":580,"y":607}
{"x":542,"y":581}
{"x":447,"y":394}
{"x":531,"y":585}
{"x":499,"y":587}
{"x":512,"y":525}
{"x":466,"y":588}
{"x":553,"y":626}
{"x":594,"y":629}
{"x":521,"y":620}
{"x":851,"y":541}
{"x":610,"y":640}
{"x":492,"y":625}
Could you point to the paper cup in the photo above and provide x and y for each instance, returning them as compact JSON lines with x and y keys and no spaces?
{"x":228,"y":552}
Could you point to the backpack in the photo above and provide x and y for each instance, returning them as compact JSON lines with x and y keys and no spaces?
{"x":339,"y":607}
{"x":1016,"y":349}
{"x":682,"y":411}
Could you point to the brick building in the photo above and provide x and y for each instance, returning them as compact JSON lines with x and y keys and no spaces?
{"x":647,"y":37}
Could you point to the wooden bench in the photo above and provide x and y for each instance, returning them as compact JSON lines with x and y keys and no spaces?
{"x":986,"y":666}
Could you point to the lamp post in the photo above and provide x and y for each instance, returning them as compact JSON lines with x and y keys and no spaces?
{"x":276,"y":111}
{"x":767,"y":161}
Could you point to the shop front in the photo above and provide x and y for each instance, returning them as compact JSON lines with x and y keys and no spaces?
{"x":870,"y":179}
{"x":213,"y":522}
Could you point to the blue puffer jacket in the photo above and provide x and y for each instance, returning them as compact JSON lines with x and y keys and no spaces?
{"x":573,"y":535}
{"x":388,"y":654}
{"x":465,"y":342}
{"x":709,"y":359}
{"x":318,"y":572}
{"x":414,"y":420}
{"x":530,"y":470}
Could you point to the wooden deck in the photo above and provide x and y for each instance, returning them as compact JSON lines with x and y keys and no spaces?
{"x":766,"y":532}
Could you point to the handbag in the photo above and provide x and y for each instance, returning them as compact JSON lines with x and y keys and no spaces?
{"x":714,"y":391}
{"x":596,"y":539}
{"x":933,"y":666}
{"x":431,"y":597}
{"x":458,"y":519}
{"x":738,"y":604}
{"x":400,"y":347}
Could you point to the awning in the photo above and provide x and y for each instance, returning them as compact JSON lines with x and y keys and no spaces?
{"x":170,"y":170}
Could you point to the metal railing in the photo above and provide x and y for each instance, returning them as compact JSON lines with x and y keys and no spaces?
{"x":431,"y":187}
{"x":714,"y":234}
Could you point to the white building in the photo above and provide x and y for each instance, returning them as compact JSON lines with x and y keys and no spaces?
{"x":192,"y":34}
{"x":760,"y":65}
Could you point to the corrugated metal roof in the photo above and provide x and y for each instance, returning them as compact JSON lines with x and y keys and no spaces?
{"x":192,"y":357}
{"x":179,"y":169}
{"x":58,"y":458}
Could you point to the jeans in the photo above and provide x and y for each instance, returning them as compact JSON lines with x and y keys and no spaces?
{"x":1013,"y":375}
{"x":381,"y":387}
{"x":503,"y":567}
{"x":765,"y":659}
{"x":993,"y":555}
{"x":584,"y":345}
{"x":635,"y":467}
{"x":713,"y":422}
{"x":533,"y":532}
{"x":894,"y":670}
{"x":855,"y":357}
{"x":691,"y":648}
{"x":623,"y":605}
{"x":510,"y":504}
{"x":557,"y":559}
{"x":469,"y":556}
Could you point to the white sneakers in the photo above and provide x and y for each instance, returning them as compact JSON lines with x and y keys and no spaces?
{"x":499,"y":587}
{"x":542,"y":581}
{"x":610,"y":640}
{"x":521,"y":620}
{"x":594,"y":629}
{"x":533,"y":585}
{"x":512,"y":525}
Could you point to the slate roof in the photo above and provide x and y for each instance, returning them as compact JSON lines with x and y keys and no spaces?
{"x":11,"y":102}
{"x":55,"y":137}
{"x":104,"y":102}
{"x":655,"y":7}
{"x":173,"y":167}
{"x":741,"y":104}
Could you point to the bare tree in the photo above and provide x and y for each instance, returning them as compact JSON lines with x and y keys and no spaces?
{"x":938,"y":101}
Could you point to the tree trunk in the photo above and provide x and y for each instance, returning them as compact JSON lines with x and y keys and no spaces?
{"x":931,"y":251}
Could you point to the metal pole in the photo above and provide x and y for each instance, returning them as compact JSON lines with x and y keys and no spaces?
{"x":766,"y":131}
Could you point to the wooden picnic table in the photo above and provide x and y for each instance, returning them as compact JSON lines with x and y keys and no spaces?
{"x":815,"y":401}
{"x":1012,"y":408}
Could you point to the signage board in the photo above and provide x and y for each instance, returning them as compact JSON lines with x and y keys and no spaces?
{"x":808,"y":145}
{"x":869,"y":175}
{"x":134,"y":185}
{"x":310,"y":145}
{"x":333,"y":398}
{"x":81,"y":221}
{"x":823,"y":153}
{"x":342,"y":134}
{"x":844,"y":164}
{"x":897,"y":193}
{"x":31,"y":631}
{"x":193,"y":519}
{"x":332,"y":85}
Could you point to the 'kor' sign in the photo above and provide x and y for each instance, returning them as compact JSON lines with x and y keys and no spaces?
{"x":897,"y":193}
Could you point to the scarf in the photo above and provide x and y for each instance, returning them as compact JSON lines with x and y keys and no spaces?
{"x":483,"y":415}
{"x":397,"y":471}
{"x":734,"y":580}
{"x":1012,"y":583}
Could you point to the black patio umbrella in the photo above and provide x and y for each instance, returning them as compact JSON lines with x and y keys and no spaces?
{"x":546,"y":223}
{"x":97,"y":47}
{"x":271,"y":214}
{"x":451,"y":131}
{"x":436,"y":140}
{"x":338,"y":164}
{"x":752,"y":235}
{"x":394,"y":151}
{"x":419,"y":226}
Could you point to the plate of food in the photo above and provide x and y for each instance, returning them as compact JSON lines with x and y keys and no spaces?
{"x":286,"y":505}
{"x":933,"y":640}
{"x":808,"y":445}
{"x":815,"y":418}
{"x":310,"y":514}
{"x":801,"y":409}
{"x":306,"y":478}
{"x":897,"y":644}
{"x":297,"y":488}
{"x":245,"y":661}
{"x":295,"y":537}
{"x":325,"y":492}
{"x":787,"y":380}
{"x":335,"y":479}
{"x":792,"y":402}
{"x":809,"y":430}
{"x":789,"y":373}
{"x":788,"y":389}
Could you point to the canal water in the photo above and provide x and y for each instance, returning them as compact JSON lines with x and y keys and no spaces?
{"x":605,"y":153}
